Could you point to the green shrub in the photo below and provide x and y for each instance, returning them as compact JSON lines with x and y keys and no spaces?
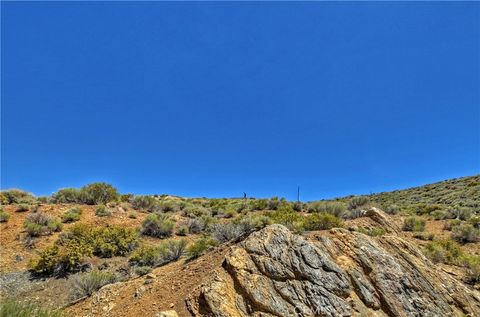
{"x":132,"y":215}
{"x":22,"y":208}
{"x":72,"y":214}
{"x":72,"y":248}
{"x":457,"y":212}
{"x":102,"y":211}
{"x":449,"y":225}
{"x":40,"y":223}
{"x":290,"y":219}
{"x":373,"y":232}
{"x":472,"y":263}
{"x":67,"y":196}
{"x":199,"y":247}
{"x":392,"y":209}
{"x":87,"y":284}
{"x":255,"y":222}
{"x":15,"y":308}
{"x":157,"y":225}
{"x":182,"y":230}
{"x":274,"y":203}
{"x":357,"y":202}
{"x":335,"y":208}
{"x":143,"y":270}
{"x":16,"y":196}
{"x":424,"y":236}
{"x":475,"y":221}
{"x":4,"y":216}
{"x":465,"y":233}
{"x":144,"y":203}
{"x":414,"y":224}
{"x":260,"y":204}
{"x":98,"y":193}
{"x":444,"y":251}
{"x":322,"y":221}
{"x":439,"y":214}
{"x":229,"y":231}
{"x":162,"y":254}
{"x":195,"y":211}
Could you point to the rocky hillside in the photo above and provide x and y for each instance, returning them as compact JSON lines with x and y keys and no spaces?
{"x":96,"y":252}
{"x":342,"y":273}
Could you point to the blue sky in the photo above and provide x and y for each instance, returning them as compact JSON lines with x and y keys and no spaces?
{"x":214,"y":99}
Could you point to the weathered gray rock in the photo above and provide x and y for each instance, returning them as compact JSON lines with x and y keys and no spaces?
{"x":276,"y":273}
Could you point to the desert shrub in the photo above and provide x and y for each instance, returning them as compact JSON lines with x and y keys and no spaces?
{"x":126,"y":198}
{"x":466,"y":233}
{"x":226,"y":232}
{"x":72,"y":214}
{"x":182,"y":230}
{"x":444,"y":251}
{"x":322,"y":221}
{"x":16,"y":196}
{"x":102,"y":211}
{"x":449,"y":225}
{"x":391,"y":209}
{"x":168,"y":206}
{"x":87,"y":284}
{"x":335,"y":208}
{"x":22,"y":208}
{"x":199,"y":247}
{"x":254,"y":222}
{"x":144,"y":202}
{"x":357,"y":202}
{"x":98,"y":193}
{"x":72,"y":248}
{"x":414,"y":224}
{"x":132,"y":215}
{"x":162,"y":254}
{"x":157,"y":225}
{"x":4,"y":216}
{"x":290,"y":219}
{"x":143,"y":270}
{"x":424,"y":236}
{"x":373,"y":232}
{"x":439,"y":214}
{"x":16,"y":308}
{"x":40,"y":223}
{"x":475,"y":221}
{"x":472,"y":263}
{"x":259,"y":204}
{"x":297,"y":206}
{"x":193,"y":211}
{"x":457,"y":212}
{"x":195,"y":225}
{"x":67,"y":196}
{"x":274,"y":203}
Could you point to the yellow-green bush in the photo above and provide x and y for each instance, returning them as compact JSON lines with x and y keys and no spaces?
{"x":164,"y":253}
{"x":4,"y":216}
{"x":72,"y":248}
{"x":72,"y":214}
{"x":290,"y":219}
{"x":102,"y":211}
{"x":414,"y":224}
{"x":87,"y":284}
{"x":322,"y":221}
{"x":158,"y":225}
{"x":445,"y":251}
{"x":200,"y":246}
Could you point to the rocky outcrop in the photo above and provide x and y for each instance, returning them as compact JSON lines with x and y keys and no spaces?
{"x":277,"y":273}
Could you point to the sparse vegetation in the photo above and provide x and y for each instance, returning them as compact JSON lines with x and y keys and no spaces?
{"x":14,"y":308}
{"x":444,"y":251}
{"x":16,"y":196}
{"x":144,"y":202}
{"x":40,"y":223}
{"x":373,"y":232}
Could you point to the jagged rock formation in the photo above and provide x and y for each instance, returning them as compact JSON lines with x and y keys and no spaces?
{"x":277,"y":273}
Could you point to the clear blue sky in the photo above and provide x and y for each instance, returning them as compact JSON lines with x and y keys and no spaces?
{"x":214,"y":99}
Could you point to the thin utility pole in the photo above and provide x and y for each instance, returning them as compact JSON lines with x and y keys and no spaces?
{"x":298,"y":194}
